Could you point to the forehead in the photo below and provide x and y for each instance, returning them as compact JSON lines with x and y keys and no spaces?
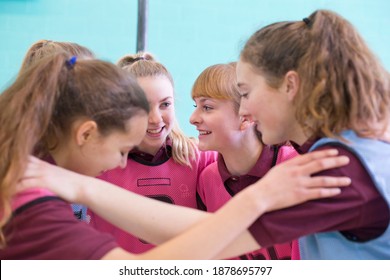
{"x":135,"y":129}
{"x":244,"y":71}
{"x":156,"y":87}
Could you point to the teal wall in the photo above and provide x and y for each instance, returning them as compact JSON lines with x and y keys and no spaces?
{"x":185,"y":35}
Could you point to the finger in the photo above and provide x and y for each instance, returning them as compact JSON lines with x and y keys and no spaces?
{"x":31,"y":171}
{"x":33,"y":159}
{"x":26,"y":184}
{"x":323,"y":193}
{"x":327,"y":182}
{"x":322,"y":164}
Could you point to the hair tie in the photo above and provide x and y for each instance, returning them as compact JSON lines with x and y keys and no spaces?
{"x":138,"y":58}
{"x":306,"y":20}
{"x":71,"y":62}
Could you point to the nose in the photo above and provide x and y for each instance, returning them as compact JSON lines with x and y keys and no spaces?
{"x":243,"y":112}
{"x":194,"y":118}
{"x":155,"y":116}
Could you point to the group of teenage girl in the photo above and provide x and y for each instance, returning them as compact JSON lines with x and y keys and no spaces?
{"x":290,"y":161}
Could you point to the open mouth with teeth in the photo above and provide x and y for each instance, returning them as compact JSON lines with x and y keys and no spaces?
{"x":204,"y":132}
{"x":155,"y":131}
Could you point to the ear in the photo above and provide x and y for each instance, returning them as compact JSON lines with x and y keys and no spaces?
{"x":292,"y":82}
{"x":85,"y":132}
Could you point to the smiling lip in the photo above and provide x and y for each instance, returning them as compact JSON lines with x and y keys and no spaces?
{"x":155,"y":132}
{"x":204,"y":132}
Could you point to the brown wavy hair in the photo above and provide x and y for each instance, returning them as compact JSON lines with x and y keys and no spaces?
{"x":342,"y":83}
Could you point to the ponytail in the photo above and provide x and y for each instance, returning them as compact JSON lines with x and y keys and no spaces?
{"x":26,"y":111}
{"x":344,"y":86}
{"x":342,"y":83}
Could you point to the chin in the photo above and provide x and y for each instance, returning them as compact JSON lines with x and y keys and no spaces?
{"x":269,"y":140}
{"x":204,"y":146}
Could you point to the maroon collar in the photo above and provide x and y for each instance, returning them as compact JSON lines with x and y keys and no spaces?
{"x":263,"y":164}
{"x":162,"y":155}
{"x":305,"y":147}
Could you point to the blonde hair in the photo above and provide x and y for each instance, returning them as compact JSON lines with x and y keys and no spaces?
{"x":144,"y":65}
{"x":219,"y":82}
{"x":342,"y":84}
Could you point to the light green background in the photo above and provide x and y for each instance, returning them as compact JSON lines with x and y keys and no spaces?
{"x":185,"y":35}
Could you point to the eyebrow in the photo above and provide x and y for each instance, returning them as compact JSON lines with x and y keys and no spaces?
{"x":203,"y":99}
{"x":166,"y":98}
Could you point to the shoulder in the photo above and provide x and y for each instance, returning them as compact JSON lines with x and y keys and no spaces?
{"x":205,"y":156}
{"x":60,"y":234}
{"x":210,"y":170}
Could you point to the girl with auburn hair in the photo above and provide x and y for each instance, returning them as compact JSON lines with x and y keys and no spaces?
{"x":166,"y":164}
{"x":243,"y":159}
{"x":315,"y":83}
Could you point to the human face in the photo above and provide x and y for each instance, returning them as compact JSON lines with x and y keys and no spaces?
{"x":270,"y":109}
{"x":217,"y":122}
{"x":102,"y":153}
{"x":159,"y":92}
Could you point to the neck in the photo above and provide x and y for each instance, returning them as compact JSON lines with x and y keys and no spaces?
{"x":58,"y":157}
{"x":298,"y":135}
{"x":241,"y":158}
{"x":62,"y":155}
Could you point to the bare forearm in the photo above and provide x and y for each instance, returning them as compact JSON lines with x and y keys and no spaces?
{"x":149,"y":219}
{"x":213,"y":234}
{"x":155,"y":221}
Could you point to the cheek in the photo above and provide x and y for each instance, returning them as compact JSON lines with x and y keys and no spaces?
{"x":169,"y":117}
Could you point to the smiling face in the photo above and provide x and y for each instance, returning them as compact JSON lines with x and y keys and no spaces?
{"x":217,"y":122}
{"x":159,"y":92}
{"x":271,"y":109}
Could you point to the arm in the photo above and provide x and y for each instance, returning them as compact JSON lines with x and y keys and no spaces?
{"x":206,"y":234}
{"x":291,"y":184}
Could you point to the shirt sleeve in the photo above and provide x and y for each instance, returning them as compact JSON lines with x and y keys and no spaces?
{"x":354,"y":211}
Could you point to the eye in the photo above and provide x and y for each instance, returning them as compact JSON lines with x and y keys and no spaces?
{"x":244,"y":95}
{"x":165,"y":104}
{"x":195,"y":106}
{"x":207,"y":108}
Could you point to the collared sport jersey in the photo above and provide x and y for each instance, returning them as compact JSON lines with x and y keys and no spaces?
{"x":166,"y":181}
{"x":217,"y":186}
{"x":360,"y":212}
{"x":45,"y":228}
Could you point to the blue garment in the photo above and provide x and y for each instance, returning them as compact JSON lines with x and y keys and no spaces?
{"x":375,"y":157}
{"x":80,"y":212}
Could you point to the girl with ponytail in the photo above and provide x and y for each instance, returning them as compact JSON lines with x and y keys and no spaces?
{"x":43,"y":48}
{"x":166,"y":165}
{"x":81,"y":115}
{"x":315,"y":82}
